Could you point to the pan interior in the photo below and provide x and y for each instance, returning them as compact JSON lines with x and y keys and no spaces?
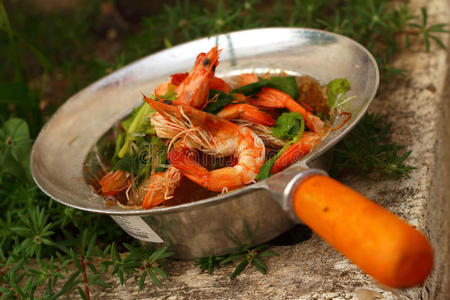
{"x":58,"y":160}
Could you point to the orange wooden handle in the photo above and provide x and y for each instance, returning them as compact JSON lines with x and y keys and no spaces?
{"x":380,"y":243}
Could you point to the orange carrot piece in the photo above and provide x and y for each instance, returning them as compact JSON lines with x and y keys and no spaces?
{"x":380,"y":243}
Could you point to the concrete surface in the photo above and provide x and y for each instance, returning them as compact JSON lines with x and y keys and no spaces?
{"x":418,"y":107}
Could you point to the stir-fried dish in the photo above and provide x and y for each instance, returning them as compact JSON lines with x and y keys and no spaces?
{"x":210,"y":136}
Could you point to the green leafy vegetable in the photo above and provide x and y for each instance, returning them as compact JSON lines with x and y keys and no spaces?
{"x":128,"y":163}
{"x":264,"y":172}
{"x":336,"y":90}
{"x":288,"y":126}
{"x":147,"y":155}
{"x":135,"y":127}
{"x":219,"y":101}
{"x":287,"y":84}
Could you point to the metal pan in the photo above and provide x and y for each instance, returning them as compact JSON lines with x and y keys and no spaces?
{"x":211,"y":226}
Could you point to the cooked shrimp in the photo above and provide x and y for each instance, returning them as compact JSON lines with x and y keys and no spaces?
{"x":160,"y":187}
{"x":219,"y":84}
{"x":114,"y":182}
{"x":194,"y":89}
{"x":296,"y":151}
{"x":214,"y":136}
{"x":273,"y":98}
{"x":247,"y":112}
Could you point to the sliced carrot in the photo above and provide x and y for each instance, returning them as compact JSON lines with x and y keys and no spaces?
{"x":379,"y":242}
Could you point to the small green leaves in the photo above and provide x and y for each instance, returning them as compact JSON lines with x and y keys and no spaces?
{"x":368,"y":152}
{"x":429,"y":31}
{"x":135,"y":127}
{"x":209,"y":263}
{"x":264,"y":172}
{"x":288,"y":125}
{"x":245,"y":255}
{"x":149,"y":260}
{"x":239,"y":269}
{"x":36,"y":232}
{"x":218,"y":101}
{"x":336,"y":91}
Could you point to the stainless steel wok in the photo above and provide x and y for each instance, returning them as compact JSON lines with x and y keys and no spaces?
{"x":209,"y":226}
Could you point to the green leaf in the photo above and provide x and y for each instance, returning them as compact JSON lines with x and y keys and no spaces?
{"x":268,"y":254}
{"x":259,"y":265}
{"x":68,"y":285}
{"x":239,"y":269}
{"x":103,"y":283}
{"x":23,"y":231}
{"x":233,"y":257}
{"x":93,"y":268}
{"x":264,"y":171}
{"x":142,"y":281}
{"x":288,"y":125}
{"x":129,"y":163}
{"x":82,"y":294}
{"x":287,"y":84}
{"x":154,"y":278}
{"x":91,"y":245}
{"x":336,"y":88}
{"x":157,"y":254}
{"x":75,"y":260}
{"x":139,"y":123}
{"x":160,"y":272}
{"x":260,"y":247}
{"x":438,"y":41}
{"x":218,"y":100}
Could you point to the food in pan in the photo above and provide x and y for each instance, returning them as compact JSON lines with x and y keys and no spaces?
{"x":199,"y":135}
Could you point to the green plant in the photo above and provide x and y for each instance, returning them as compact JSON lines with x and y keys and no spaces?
{"x":368,"y":152}
{"x":245,"y":255}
